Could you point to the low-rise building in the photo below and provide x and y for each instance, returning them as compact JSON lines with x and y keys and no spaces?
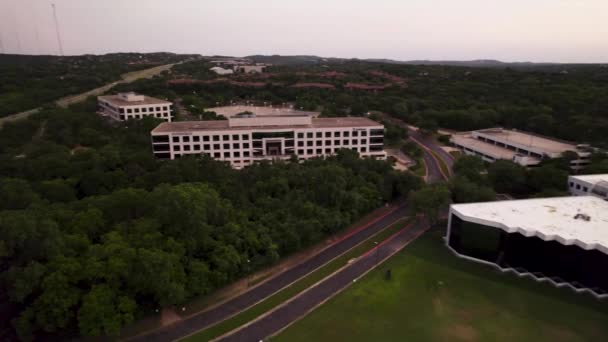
{"x":589,"y":185}
{"x":127,"y":106}
{"x":523,"y":148}
{"x":561,"y":240}
{"x":250,"y":69}
{"x":245,"y":140}
{"x":221,"y":71}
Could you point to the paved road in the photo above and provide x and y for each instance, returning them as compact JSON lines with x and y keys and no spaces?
{"x":430,"y":143}
{"x":68,"y":100}
{"x":219,"y":313}
{"x":296,"y":308}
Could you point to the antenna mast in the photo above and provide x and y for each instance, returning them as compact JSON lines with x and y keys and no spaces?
{"x":57,"y":31}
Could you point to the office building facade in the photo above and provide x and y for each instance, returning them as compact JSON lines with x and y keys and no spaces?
{"x":242,"y":141}
{"x":129,"y":106}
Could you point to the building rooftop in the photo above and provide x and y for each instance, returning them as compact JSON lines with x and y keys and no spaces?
{"x":230,"y":111}
{"x":195,"y":126}
{"x":563,"y":219}
{"x":117,"y":100}
{"x":591,"y":179}
{"x":497,"y":152}
{"x":529,"y":140}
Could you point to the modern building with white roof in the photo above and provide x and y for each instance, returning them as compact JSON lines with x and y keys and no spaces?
{"x":589,"y":185}
{"x":245,"y":140}
{"x":562,"y":240}
{"x":524,"y":148}
{"x":126,"y":106}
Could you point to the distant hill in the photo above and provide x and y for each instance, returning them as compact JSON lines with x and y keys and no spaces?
{"x":287,"y":60}
{"x":308,"y":59}
{"x":486,"y":63}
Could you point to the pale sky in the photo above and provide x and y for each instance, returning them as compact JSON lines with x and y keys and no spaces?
{"x":508,"y":30}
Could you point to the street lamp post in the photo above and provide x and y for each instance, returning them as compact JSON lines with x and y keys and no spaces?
{"x":248,"y":272}
{"x":377,"y":248}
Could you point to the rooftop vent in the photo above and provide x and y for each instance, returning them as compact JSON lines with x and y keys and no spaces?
{"x":583,"y":217}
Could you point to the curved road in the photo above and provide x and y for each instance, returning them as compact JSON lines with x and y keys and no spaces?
{"x":71,"y":99}
{"x":243,"y":301}
{"x":294,"y":309}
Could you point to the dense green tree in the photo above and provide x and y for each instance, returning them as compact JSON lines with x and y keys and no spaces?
{"x":465,"y":191}
{"x":470,"y":167}
{"x":430,"y":200}
{"x":507,"y":177}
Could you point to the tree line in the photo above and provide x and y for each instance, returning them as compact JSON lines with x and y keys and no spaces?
{"x":94,"y":232}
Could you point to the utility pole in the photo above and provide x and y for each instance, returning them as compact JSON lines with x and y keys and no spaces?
{"x":57,"y":30}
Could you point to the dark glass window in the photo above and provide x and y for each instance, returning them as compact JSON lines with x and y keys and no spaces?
{"x":175,"y":139}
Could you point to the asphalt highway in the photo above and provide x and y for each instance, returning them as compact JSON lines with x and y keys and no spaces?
{"x":300,"y":305}
{"x":233,"y":306}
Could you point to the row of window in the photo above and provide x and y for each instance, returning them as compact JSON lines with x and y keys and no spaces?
{"x":227,"y":137}
{"x":141,"y":116}
{"x":205,"y":147}
{"x":336,"y":134}
{"x":238,"y":154}
{"x":578,"y":187}
{"x":335,"y":142}
{"x":144,"y":109}
{"x":197,"y":138}
{"x":236,"y":146}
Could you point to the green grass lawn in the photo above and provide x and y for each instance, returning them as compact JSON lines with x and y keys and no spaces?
{"x":295,"y":288}
{"x":435,"y":296}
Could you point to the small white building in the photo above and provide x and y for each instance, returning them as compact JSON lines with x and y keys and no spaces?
{"x":245,"y":140}
{"x":221,"y":71}
{"x":589,"y":185}
{"x":523,"y":148}
{"x":249,"y":69}
{"x":127,"y":106}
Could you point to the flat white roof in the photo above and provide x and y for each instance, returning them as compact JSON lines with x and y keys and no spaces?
{"x":546,"y":218}
{"x":528,"y":140}
{"x":591,"y":179}
{"x":223,"y":125}
{"x":497,"y":152}
{"x":230,"y":111}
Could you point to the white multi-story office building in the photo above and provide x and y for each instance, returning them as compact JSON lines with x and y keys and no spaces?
{"x":589,"y":185}
{"x":523,"y":148}
{"x":245,"y":140}
{"x":126,"y":106}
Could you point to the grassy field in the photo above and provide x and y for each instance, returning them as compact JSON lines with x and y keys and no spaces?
{"x":435,"y":296}
{"x":295,"y":288}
